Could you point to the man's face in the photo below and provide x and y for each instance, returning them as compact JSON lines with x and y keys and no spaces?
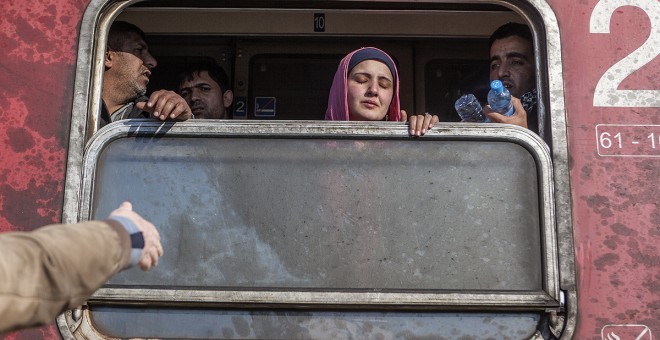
{"x":133,"y":65}
{"x":205,"y":97}
{"x":512,"y":62}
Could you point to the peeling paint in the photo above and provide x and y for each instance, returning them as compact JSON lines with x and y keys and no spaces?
{"x":606,"y":260}
{"x":615,"y":200}
{"x":615,"y":203}
{"x":38,"y":55}
{"x":621,"y":229}
{"x":38,"y":41}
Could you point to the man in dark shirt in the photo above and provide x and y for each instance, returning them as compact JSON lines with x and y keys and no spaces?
{"x":128,"y":65}
{"x":205,"y":87}
{"x":512,"y":62}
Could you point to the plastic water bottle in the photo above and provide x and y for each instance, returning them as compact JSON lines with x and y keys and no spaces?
{"x":499,"y":98}
{"x":470,"y":110}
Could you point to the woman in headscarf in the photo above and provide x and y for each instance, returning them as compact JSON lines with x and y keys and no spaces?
{"x":366,"y":88}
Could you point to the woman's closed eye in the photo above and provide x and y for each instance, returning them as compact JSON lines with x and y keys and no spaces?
{"x":361,"y":78}
{"x":384,"y":83}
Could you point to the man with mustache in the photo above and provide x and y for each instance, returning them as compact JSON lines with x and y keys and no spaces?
{"x":205,"y":87}
{"x":128,"y":66}
{"x":512,"y":62}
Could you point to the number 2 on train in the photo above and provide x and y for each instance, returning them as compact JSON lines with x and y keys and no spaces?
{"x":606,"y":92}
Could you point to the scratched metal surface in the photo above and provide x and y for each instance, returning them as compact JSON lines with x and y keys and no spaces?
{"x":615,"y":199}
{"x":38,"y":42}
{"x":37,"y":64}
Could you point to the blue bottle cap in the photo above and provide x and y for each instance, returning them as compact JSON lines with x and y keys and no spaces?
{"x":497,"y":86}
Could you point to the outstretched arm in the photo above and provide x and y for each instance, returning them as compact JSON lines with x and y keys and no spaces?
{"x":49,"y":270}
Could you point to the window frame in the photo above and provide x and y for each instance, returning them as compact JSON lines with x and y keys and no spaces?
{"x":99,"y":14}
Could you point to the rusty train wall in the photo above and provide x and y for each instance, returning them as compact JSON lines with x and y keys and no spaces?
{"x":616,"y":209}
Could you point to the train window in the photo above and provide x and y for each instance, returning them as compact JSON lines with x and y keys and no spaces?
{"x":447,"y":80}
{"x":307,"y":77}
{"x":380,"y":222}
{"x":280,"y":223}
{"x":242,"y":196}
{"x":436,"y":52}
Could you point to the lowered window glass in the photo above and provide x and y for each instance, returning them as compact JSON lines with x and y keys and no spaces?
{"x":354,"y":217}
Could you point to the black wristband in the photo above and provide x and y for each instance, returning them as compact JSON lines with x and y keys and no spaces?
{"x":136,"y":236}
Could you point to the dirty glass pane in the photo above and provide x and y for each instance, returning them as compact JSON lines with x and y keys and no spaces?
{"x":121,"y":322}
{"x":330,"y":214}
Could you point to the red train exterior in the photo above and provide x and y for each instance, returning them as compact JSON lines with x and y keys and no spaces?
{"x":614,"y":182}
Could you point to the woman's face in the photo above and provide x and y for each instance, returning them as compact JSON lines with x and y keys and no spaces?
{"x":370,"y":90}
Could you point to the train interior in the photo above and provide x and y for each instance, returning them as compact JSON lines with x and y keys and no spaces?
{"x":292,"y":54}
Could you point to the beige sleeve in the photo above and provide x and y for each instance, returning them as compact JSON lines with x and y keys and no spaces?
{"x":55,"y":268}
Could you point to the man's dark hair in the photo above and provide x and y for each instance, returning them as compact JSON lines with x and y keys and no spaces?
{"x":209,"y":65}
{"x":119,"y":32}
{"x":509,"y":30}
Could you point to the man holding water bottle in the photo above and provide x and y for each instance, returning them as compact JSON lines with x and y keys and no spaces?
{"x":512,"y":62}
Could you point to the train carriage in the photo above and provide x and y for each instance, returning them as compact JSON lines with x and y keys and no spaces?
{"x":277,"y":224}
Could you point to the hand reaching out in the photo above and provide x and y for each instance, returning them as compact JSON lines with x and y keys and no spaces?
{"x":152,"y":247}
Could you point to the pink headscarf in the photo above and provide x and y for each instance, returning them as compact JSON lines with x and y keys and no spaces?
{"x":338,"y":99}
